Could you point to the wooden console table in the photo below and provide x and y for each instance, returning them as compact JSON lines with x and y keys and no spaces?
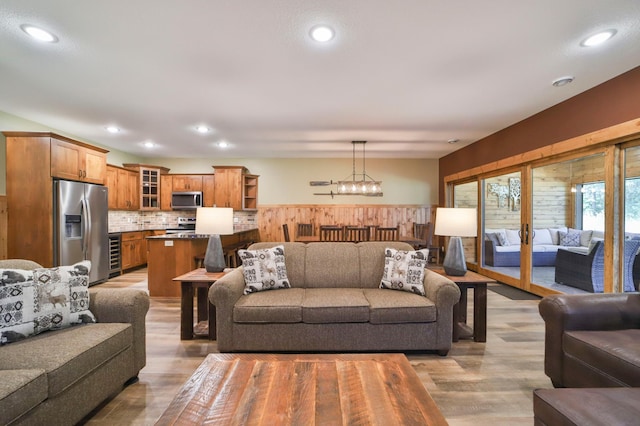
{"x":478,"y":283}
{"x":201,"y":280}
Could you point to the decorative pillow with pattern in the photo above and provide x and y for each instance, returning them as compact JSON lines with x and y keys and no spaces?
{"x":570,"y":238}
{"x":54,"y":298}
{"x":16,"y":296}
{"x":404,"y":270}
{"x":264,"y":269}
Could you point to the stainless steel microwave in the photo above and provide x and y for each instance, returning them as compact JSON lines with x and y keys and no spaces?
{"x":186,"y":200}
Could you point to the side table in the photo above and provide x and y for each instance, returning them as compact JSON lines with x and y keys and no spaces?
{"x":200,"y":280}
{"x":479,"y":285}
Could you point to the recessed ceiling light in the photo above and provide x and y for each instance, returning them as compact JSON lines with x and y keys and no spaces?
{"x":562,"y":81}
{"x":39,"y":34}
{"x":149,"y":144}
{"x":223,"y":144}
{"x":321,"y":33}
{"x":113,"y":129}
{"x":202,"y":129}
{"x":598,"y":38}
{"x":452,"y":141}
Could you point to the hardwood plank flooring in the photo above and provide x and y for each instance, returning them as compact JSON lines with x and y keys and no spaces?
{"x":476,"y":384}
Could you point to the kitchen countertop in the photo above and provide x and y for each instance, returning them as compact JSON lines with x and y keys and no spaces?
{"x":236,"y":230}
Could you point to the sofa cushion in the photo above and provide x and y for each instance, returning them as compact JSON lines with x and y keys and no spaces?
{"x":332,"y":265}
{"x":615,"y":352}
{"x":404,"y":270}
{"x":335,"y":305}
{"x":542,"y":237}
{"x":398,"y":307}
{"x":20,"y":391}
{"x":264,"y":269}
{"x":571,"y":238}
{"x":555,"y":236}
{"x":69,"y":354}
{"x":513,"y":236}
{"x":56,"y":298}
{"x":281,"y":306}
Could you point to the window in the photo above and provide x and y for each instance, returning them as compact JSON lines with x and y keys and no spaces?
{"x":590,"y":206}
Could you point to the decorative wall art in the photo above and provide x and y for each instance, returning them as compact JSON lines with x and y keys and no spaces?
{"x":514,"y":193}
{"x":501,"y":191}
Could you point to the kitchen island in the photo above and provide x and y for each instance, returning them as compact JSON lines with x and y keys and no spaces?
{"x":171,"y":255}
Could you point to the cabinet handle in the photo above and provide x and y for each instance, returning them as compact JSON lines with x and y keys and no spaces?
{"x":79,"y":173}
{"x":84,"y":173}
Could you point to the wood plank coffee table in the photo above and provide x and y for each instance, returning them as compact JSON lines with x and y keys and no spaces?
{"x":294,"y":389}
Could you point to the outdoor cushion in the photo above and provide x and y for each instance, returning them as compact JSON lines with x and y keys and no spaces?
{"x":20,"y":391}
{"x":282,"y":306}
{"x":334,"y":305}
{"x":79,"y":350}
{"x":398,"y":307}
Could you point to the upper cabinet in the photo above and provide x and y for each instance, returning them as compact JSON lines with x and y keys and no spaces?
{"x":77,"y":161}
{"x":181,"y":183}
{"x":235,"y":188}
{"x":149,"y":185}
{"x":123,"y":188}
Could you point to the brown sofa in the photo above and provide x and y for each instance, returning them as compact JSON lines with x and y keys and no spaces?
{"x":58,"y":377}
{"x":334,"y":304}
{"x":592,"y":344}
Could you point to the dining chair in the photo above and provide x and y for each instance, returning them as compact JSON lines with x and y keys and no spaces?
{"x":304,"y":230}
{"x":387,"y":234}
{"x":356,"y":234}
{"x":424,"y":232}
{"x":331,"y":233}
{"x":285,"y":229}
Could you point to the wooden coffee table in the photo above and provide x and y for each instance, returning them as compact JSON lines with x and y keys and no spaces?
{"x":294,"y":389}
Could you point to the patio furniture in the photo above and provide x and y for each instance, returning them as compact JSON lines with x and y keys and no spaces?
{"x":586,"y":270}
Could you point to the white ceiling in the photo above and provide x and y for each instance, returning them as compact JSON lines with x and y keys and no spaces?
{"x":404,"y":75}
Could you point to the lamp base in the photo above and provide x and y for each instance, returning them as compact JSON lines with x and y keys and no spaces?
{"x":214,"y":256}
{"x":454,"y":263}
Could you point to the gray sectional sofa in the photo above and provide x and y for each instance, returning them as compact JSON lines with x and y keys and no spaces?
{"x":58,"y":377}
{"x":334,"y":304}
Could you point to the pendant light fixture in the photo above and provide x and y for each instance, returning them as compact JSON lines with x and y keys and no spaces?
{"x":360,"y":183}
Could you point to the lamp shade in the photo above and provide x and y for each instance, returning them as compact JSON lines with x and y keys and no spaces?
{"x":214,"y":221}
{"x":456,"y":222}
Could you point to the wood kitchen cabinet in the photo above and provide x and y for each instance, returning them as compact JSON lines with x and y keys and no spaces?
{"x":33,"y":160}
{"x":208,"y":190}
{"x":77,"y":161}
{"x":186,"y":183}
{"x":123,"y":188}
{"x":133,"y":249}
{"x":166,"y":188}
{"x":149,"y":184}
{"x":231,"y":185}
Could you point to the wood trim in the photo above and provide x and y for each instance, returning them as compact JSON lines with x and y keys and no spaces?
{"x":3,"y":226}
{"x":54,"y":136}
{"x":619,"y":133}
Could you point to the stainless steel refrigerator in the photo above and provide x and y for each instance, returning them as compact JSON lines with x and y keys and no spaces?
{"x":81,"y":226}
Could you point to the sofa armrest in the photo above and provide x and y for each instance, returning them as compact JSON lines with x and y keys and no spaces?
{"x":224,"y":294}
{"x":445,"y":294}
{"x":123,"y":305}
{"x":583,"y":312}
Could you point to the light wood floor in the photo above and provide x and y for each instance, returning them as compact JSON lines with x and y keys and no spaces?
{"x":476,"y":384}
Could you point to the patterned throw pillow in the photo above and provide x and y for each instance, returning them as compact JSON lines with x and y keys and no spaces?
{"x":570,"y":238}
{"x":404,"y":270}
{"x":502,"y":238}
{"x":264,"y":269}
{"x":47,"y":299}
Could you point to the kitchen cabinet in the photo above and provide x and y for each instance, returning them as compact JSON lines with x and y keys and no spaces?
{"x":123,"y":188}
{"x":133,"y":249}
{"x":149,"y":184}
{"x":166,"y":188}
{"x":33,"y":160}
{"x":186,"y":183}
{"x":208,"y":190}
{"x":231,"y":185}
{"x":77,"y":161}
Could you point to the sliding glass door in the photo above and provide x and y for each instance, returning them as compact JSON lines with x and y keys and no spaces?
{"x":465,"y":195}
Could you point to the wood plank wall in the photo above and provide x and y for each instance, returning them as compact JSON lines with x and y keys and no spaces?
{"x":271,"y":217}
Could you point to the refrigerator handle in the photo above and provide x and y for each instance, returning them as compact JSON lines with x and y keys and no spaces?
{"x":86,"y":232}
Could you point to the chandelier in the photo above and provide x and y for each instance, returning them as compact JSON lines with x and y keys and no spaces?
{"x":355,"y":183}
{"x":359,"y":183}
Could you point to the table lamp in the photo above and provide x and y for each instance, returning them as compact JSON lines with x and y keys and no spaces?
{"x":214,"y":221}
{"x":456,"y":223}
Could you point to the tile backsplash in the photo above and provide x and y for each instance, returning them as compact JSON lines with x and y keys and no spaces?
{"x":123,"y":220}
